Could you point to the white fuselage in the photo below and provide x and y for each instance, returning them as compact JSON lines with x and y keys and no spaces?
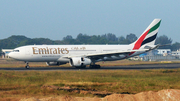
{"x":60,"y":53}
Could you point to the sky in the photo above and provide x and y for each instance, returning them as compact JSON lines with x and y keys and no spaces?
{"x":55,"y":19}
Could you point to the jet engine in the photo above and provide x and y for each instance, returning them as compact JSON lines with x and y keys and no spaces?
{"x":79,"y":61}
{"x":54,"y":63}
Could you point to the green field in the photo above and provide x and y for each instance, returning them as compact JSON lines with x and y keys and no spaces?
{"x":18,"y":84}
{"x":15,"y":85}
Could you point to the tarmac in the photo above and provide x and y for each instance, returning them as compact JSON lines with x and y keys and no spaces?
{"x":129,"y":67}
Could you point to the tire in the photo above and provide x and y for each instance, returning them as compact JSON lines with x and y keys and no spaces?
{"x":80,"y":67}
{"x":95,"y":66}
{"x":27,"y":67}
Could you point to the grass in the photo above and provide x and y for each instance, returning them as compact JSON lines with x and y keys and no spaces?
{"x":17,"y":84}
{"x":30,"y":83}
{"x":11,"y":63}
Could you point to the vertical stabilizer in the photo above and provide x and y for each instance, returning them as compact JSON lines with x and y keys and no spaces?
{"x":148,"y":37}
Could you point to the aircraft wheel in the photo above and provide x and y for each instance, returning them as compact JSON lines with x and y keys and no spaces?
{"x":27,"y":67}
{"x":80,"y":67}
{"x":95,"y":66}
{"x":98,"y":66}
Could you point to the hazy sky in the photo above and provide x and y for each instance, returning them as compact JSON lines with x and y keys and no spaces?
{"x":56,"y":19}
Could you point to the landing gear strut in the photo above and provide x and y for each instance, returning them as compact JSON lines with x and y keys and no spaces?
{"x":27,"y":65}
{"x":94,"y":66}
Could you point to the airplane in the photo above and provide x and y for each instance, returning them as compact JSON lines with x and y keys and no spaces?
{"x":79,"y":56}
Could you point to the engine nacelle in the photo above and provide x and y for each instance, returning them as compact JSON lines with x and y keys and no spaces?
{"x":54,"y":63}
{"x":79,"y":61}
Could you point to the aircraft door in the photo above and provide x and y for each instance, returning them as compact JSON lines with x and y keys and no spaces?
{"x":27,"y":51}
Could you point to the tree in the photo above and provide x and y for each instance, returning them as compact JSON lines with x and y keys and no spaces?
{"x":131,"y":37}
{"x":12,"y":41}
{"x":162,"y":40}
{"x":110,"y":37}
{"x":122,"y":40}
{"x":175,"y":46}
{"x":68,"y":37}
{"x":69,"y":40}
{"x":16,"y":41}
{"x":83,"y":38}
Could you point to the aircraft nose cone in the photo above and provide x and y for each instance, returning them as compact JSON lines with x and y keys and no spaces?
{"x":10,"y":54}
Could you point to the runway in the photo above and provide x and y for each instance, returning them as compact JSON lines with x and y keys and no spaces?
{"x":130,"y":67}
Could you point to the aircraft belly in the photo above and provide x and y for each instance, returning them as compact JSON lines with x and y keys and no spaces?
{"x":42,"y":58}
{"x":63,"y":60}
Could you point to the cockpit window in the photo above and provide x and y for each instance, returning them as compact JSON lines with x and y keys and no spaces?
{"x":15,"y":50}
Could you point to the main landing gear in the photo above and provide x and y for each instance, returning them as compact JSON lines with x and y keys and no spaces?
{"x":91,"y":67}
{"x":94,"y":66}
{"x":80,"y":67}
{"x":27,"y":65}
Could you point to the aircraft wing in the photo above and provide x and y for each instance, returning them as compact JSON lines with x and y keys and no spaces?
{"x":107,"y":54}
{"x":113,"y":53}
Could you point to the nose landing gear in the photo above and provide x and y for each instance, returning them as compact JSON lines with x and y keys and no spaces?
{"x":27,"y":65}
